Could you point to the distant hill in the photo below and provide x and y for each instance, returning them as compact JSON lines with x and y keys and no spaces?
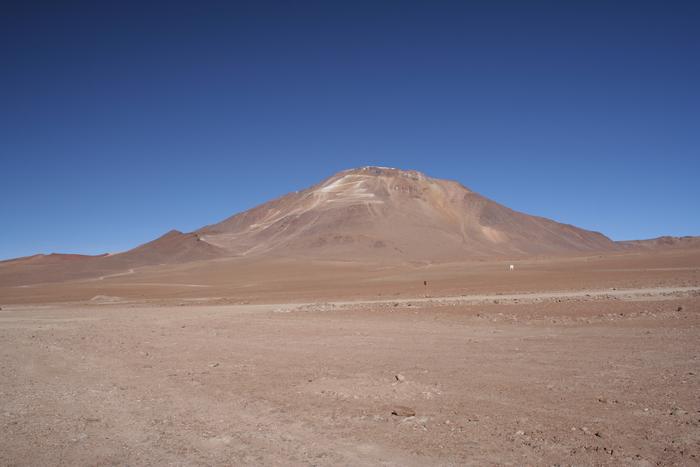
{"x":663,"y":243}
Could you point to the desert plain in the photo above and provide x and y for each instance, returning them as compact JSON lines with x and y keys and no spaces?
{"x":588,"y":359}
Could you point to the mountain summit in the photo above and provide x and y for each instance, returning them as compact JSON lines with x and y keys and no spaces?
{"x":380,"y":212}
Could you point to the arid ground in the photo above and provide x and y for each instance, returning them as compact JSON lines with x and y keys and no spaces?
{"x":581,"y":360}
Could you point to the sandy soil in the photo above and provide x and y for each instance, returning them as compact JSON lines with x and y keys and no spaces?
{"x":576,"y":382}
{"x":240,"y":281}
{"x":584,"y":361}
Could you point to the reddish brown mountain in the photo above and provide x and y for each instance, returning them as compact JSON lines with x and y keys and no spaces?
{"x":662,"y":243}
{"x":367,"y":214}
{"x":173,"y":247}
{"x":376,"y":212}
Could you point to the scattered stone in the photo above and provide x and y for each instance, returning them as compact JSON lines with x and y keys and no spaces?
{"x":677,"y":411}
{"x":401,"y":411}
{"x":400,"y":378}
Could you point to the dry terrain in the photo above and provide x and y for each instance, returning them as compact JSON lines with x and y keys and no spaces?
{"x":372,"y":319}
{"x":588,"y":360}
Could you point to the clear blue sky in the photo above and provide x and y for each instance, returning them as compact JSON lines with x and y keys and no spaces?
{"x":120,"y":120}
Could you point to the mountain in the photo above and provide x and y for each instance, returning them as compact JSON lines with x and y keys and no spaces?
{"x":377,"y":212}
{"x":662,"y":243}
{"x":366,"y":214}
{"x":173,"y":247}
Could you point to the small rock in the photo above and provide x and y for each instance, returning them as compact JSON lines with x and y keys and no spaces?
{"x":519,"y":433}
{"x":400,"y":378}
{"x":214,"y":365}
{"x":597,"y":433}
{"x":680,"y":308}
{"x":401,"y":411}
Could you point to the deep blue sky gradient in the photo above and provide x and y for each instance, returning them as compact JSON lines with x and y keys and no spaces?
{"x":121,"y":120}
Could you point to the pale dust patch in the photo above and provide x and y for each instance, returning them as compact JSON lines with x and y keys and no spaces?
{"x":368,"y":387}
{"x":106,"y":299}
{"x":494,"y":235}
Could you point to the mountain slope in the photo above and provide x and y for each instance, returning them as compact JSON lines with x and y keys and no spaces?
{"x":660,"y":243}
{"x":376,"y":212}
{"x":173,"y":247}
